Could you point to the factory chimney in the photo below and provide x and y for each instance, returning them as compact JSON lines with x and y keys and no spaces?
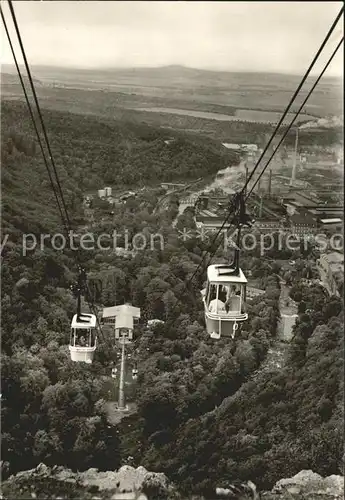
{"x":293,"y":174}
{"x":260,"y":209}
{"x":270,"y":184}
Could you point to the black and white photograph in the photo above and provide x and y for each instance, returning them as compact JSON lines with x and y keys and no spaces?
{"x":172,"y":250}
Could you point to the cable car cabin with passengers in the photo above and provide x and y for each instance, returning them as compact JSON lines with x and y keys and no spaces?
{"x":83,"y":338}
{"x":224,"y":300}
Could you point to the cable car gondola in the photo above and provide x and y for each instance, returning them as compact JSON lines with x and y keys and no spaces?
{"x":83,"y":340}
{"x":224,"y":297}
{"x":224,"y":300}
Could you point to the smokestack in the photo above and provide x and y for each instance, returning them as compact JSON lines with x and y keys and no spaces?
{"x":259,"y":185}
{"x":246,"y":174}
{"x":293,"y":175}
{"x":270,"y":183}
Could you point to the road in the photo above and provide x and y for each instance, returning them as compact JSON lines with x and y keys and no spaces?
{"x":165,"y":198}
{"x":288,"y":312}
{"x":277,"y":353}
{"x":111,"y":388}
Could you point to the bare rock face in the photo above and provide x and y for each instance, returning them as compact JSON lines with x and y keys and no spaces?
{"x":242,"y":491}
{"x":127,"y":483}
{"x":307,"y":485}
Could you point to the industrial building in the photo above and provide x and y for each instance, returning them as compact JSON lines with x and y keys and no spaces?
{"x":301,"y":206}
{"x":331,"y":225}
{"x":296,"y":200}
{"x":303,"y":223}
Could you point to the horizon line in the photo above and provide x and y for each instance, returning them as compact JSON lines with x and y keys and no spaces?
{"x":210,"y":70}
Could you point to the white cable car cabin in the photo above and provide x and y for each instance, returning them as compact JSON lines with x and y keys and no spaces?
{"x":224,"y":300}
{"x":83,"y":338}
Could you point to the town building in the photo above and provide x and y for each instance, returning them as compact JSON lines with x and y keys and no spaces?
{"x":105,"y":193}
{"x":267,"y":224}
{"x":171,"y":185}
{"x":169,"y":141}
{"x":331,"y":270}
{"x":327,"y":212}
{"x":303,"y":223}
{"x":234,"y":147}
{"x":126,"y":196}
{"x":250,"y":149}
{"x":252,"y":292}
{"x":123,"y":252}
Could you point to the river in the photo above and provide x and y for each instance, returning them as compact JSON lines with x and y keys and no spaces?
{"x":248,"y":115}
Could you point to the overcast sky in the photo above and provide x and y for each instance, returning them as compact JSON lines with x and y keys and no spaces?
{"x":236,"y":36}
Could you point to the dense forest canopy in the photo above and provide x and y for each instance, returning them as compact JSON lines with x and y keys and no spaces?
{"x":92,"y":151}
{"x":206,"y":414}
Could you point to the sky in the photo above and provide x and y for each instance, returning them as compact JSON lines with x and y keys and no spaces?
{"x":280,"y":37}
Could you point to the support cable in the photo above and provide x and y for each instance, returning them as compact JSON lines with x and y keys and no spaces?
{"x":39,"y":111}
{"x":32,"y":117}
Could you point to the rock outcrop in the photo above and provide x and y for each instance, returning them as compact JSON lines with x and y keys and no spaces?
{"x":307,"y":485}
{"x":57,"y":482}
{"x":129,"y":483}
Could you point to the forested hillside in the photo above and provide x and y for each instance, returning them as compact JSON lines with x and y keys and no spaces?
{"x":92,"y":151}
{"x":223,"y":428}
{"x":41,"y":389}
{"x":89,"y":153}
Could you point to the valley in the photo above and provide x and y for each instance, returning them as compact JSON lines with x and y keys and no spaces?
{"x":208,"y":414}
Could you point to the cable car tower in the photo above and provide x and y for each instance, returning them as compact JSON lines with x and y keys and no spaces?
{"x":83,"y":340}
{"x":224,"y":297}
{"x":123,"y":319}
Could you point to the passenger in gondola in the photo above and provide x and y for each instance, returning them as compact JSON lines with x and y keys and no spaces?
{"x":233,"y":302}
{"x":218,"y":305}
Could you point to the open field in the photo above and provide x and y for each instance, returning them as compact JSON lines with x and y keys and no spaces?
{"x":245,"y":115}
{"x":227,"y":107}
{"x":174,"y":85}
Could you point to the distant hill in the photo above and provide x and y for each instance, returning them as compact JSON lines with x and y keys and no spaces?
{"x":248,"y":90}
{"x":178,"y":70}
{"x":260,"y":91}
{"x":13,"y":79}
